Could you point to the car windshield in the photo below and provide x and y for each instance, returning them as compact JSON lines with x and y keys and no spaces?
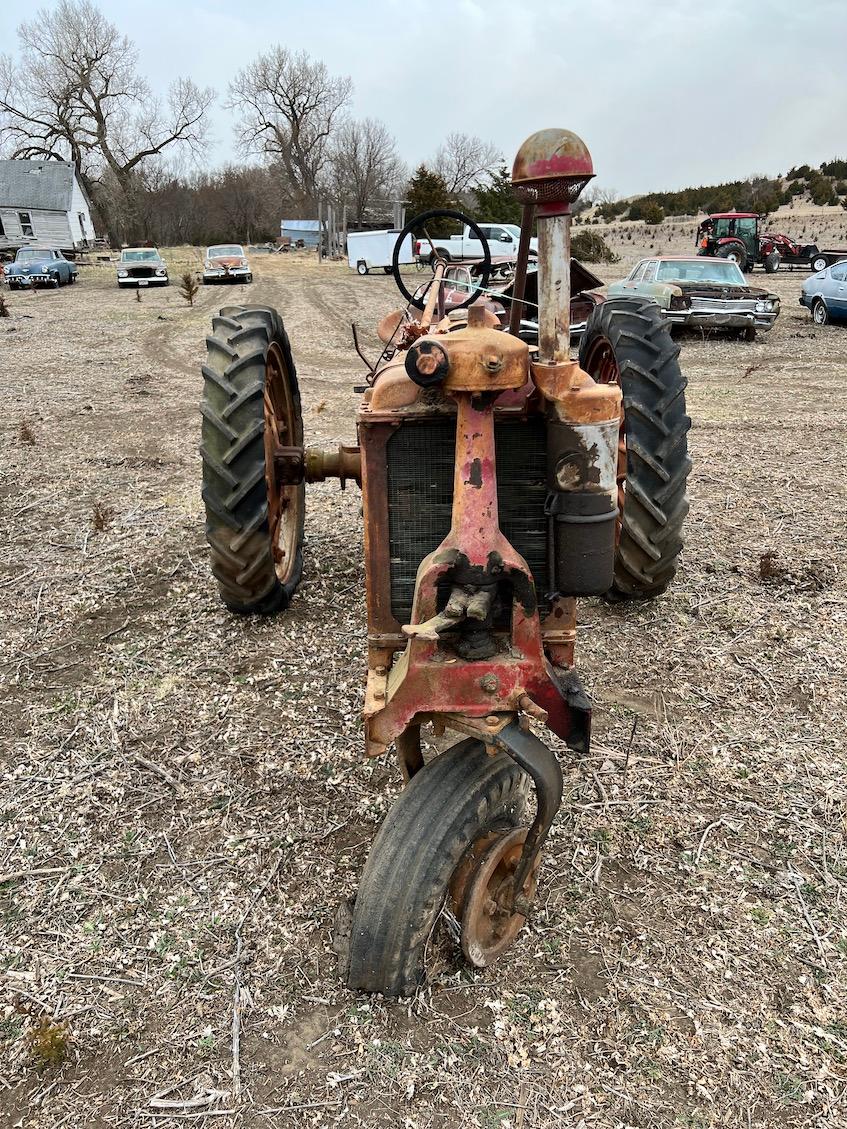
{"x":228,"y":250}
{"x":139,"y":256}
{"x":31,"y":256}
{"x":701,"y":270}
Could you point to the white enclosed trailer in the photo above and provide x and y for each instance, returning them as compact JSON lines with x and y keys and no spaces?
{"x":368,"y":250}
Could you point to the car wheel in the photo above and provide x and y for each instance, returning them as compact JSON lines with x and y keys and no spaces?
{"x":820,"y":314}
{"x":361,"y":268}
{"x":819,"y":263}
{"x":749,"y":334}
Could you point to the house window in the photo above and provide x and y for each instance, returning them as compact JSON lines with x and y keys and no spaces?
{"x":26,"y":224}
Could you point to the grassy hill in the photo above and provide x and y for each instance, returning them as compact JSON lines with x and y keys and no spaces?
{"x":823,"y":186}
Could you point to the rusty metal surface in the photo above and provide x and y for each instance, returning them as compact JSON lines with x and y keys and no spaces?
{"x":283,"y":432}
{"x":430,"y":676}
{"x":551,"y":167}
{"x":482,"y":895}
{"x":342,"y":462}
{"x":518,"y":286}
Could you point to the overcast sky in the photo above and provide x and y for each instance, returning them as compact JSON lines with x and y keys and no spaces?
{"x":666,"y":95}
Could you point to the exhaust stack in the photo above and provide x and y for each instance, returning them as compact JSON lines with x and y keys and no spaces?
{"x":551,"y":169}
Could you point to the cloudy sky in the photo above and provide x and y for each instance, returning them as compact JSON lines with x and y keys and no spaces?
{"x":665,"y":94}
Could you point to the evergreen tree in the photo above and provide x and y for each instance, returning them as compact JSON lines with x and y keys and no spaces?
{"x":495,"y":201}
{"x":428,"y":190}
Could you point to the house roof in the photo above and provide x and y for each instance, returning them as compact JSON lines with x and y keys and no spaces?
{"x":43,"y":185}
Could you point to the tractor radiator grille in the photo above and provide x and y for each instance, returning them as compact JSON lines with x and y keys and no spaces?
{"x":420,"y":497}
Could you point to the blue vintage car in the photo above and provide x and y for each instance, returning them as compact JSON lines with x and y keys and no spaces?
{"x":825,"y":294}
{"x":36,"y":267}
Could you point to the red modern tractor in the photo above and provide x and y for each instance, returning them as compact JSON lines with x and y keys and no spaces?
{"x":737,"y":236}
{"x":501,"y":479}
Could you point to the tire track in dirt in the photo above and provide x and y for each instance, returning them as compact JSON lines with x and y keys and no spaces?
{"x":161,"y":345}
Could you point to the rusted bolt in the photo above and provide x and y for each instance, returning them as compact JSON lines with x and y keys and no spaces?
{"x":379,"y":694}
{"x":490,"y":683}
{"x":492,"y":720}
{"x":493,"y":363}
{"x":381,"y":671}
{"x":426,"y":363}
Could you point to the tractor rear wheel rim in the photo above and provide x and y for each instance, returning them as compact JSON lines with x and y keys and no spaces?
{"x":284,"y":502}
{"x":489,"y":926}
{"x":602,"y":366}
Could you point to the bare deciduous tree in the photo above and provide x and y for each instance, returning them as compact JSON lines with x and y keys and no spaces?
{"x":364,"y":165}
{"x":290,"y":106}
{"x":462,"y":160}
{"x":75,"y":93}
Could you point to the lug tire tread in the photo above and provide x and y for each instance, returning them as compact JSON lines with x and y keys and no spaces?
{"x":233,"y":457}
{"x":657,"y":446}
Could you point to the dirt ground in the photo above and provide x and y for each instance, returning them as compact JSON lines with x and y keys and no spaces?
{"x":185,"y":801}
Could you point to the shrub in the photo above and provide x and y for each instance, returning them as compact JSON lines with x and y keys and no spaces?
{"x":591,"y":247}
{"x":652,"y":214}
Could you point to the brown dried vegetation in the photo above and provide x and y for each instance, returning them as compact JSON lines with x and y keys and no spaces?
{"x":186,"y":803}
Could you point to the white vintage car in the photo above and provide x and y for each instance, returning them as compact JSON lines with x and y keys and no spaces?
{"x":226,"y":263}
{"x":142,"y":266}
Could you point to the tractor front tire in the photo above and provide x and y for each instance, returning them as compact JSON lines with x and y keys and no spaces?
{"x":734,"y":251}
{"x":254,"y":524}
{"x":628,"y":342}
{"x":443,"y":811}
{"x":772,"y":262}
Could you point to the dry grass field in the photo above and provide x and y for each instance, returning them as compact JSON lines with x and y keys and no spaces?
{"x":185,"y":803}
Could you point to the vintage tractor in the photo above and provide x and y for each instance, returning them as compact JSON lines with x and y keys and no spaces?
{"x":500,"y":480}
{"x":737,"y":236}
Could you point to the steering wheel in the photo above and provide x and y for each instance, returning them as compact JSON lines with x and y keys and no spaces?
{"x":409,"y":229}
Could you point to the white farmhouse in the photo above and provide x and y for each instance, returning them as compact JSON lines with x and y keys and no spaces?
{"x":43,"y":204}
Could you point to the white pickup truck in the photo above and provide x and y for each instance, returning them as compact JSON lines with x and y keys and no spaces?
{"x":502,"y":240}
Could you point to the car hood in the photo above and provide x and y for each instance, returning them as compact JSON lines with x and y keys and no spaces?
{"x":720,"y":290}
{"x":32,"y":267}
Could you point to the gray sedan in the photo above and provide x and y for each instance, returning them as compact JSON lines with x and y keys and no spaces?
{"x":825,"y":294}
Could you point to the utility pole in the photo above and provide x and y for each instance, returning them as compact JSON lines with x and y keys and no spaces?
{"x":320,"y":232}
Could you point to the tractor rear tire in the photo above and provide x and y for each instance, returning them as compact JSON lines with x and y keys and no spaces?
{"x":254,"y":525}
{"x":628,"y":342}
{"x":441,"y":813}
{"x":734,"y":251}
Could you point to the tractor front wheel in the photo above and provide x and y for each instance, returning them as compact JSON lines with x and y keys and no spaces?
{"x":628,"y":342}
{"x":446,"y":844}
{"x":250,"y":408}
{"x":735,"y":252}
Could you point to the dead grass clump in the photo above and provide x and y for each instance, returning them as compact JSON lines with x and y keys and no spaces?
{"x":48,"y":1042}
{"x":26,"y":435}
{"x":102,"y":517}
{"x":811,"y":577}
